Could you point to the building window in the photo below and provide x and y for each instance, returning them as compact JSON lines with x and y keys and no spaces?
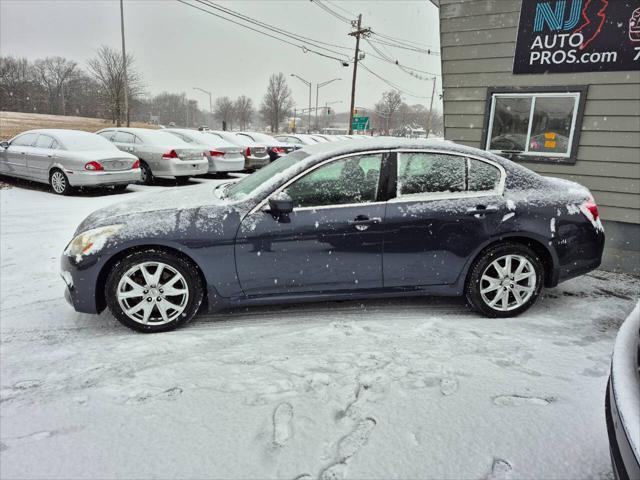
{"x":534,"y":126}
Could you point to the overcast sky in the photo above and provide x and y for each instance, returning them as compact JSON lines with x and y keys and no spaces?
{"x":177,"y":47}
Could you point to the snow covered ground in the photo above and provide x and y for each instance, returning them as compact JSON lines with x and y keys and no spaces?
{"x":415,"y":388}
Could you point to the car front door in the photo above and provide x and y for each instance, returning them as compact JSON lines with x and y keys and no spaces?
{"x":445,"y":206}
{"x":332,"y":241}
{"x":15,"y":156}
{"x":41,"y":158}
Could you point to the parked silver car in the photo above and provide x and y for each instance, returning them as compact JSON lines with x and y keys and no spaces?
{"x":66,"y":159}
{"x":161,"y":154}
{"x":223,"y":156}
{"x":255,"y":154}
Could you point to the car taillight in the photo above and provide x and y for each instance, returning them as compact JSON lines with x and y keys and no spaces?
{"x":591,"y":206}
{"x":216,"y":153}
{"x":135,"y":165}
{"x":248,"y":152}
{"x":278,"y":150}
{"x":169,"y":155}
{"x":93,"y":166}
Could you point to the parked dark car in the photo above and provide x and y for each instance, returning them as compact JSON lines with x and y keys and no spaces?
{"x":312,"y":225}
{"x":622,"y":401}
{"x":275,"y":148}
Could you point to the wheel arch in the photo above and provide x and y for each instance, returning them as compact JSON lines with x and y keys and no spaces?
{"x":101,"y":281}
{"x":538,"y":244}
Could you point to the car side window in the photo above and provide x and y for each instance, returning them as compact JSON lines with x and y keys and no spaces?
{"x":482,"y":176}
{"x":44,"y":141}
{"x":138,"y":141}
{"x":123,"y":137}
{"x":423,"y":172}
{"x":25,"y":140}
{"x":245,"y":136}
{"x":345,"y":181}
{"x":108,"y":135}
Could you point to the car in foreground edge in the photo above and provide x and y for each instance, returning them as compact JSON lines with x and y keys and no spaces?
{"x":622,"y":401}
{"x":311,"y":226}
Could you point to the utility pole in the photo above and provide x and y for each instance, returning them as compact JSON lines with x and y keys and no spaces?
{"x":358,"y":33}
{"x":433,"y":94}
{"x":124,"y":66}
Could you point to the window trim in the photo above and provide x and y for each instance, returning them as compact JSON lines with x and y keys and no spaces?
{"x":538,"y":157}
{"x":431,"y":196}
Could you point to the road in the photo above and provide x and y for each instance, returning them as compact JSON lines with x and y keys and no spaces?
{"x":417,"y":388}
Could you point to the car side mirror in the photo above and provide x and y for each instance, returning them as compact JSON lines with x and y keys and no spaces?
{"x":280,"y":206}
{"x":4,"y":144}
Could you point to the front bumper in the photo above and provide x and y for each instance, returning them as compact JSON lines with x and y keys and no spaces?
{"x":623,"y":461}
{"x":93,"y":179}
{"x":81,"y":279}
{"x":252,"y":162}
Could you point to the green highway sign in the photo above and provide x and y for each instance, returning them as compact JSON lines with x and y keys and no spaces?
{"x":360,"y":123}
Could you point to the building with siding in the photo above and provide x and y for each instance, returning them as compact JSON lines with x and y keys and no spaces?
{"x":579,"y":121}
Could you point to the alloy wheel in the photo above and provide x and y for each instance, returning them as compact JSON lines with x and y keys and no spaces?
{"x":508,"y":282}
{"x":58,"y":182}
{"x":152,"y":293}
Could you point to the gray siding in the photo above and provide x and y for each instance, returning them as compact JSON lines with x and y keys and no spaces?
{"x":477,"y":45}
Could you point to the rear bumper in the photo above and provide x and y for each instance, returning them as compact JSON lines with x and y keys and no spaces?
{"x":623,"y":461}
{"x":92,"y":179}
{"x":222,"y":165}
{"x":181,"y":168}
{"x":256,"y":162}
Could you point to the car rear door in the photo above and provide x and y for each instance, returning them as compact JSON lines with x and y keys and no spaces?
{"x":331,"y":242}
{"x":40,"y":160}
{"x":445,"y":206}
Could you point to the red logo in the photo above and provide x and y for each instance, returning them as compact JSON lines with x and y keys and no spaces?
{"x":594,"y":16}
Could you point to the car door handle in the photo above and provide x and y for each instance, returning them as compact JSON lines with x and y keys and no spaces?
{"x":481,"y":210}
{"x":362,"y":222}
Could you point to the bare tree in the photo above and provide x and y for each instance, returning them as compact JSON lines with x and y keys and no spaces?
{"x":277,"y":102}
{"x":52,"y":73}
{"x":107,"y":69}
{"x":224,"y":110}
{"x":387,"y":107}
{"x":244,"y":111}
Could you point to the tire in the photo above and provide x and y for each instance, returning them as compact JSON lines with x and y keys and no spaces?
{"x":59,"y":182}
{"x":183,"y":180}
{"x":519,"y":275}
{"x":146,"y":175}
{"x":178,"y":309}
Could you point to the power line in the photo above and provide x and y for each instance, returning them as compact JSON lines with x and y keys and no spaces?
{"x":401,"y":41}
{"x":303,"y":47}
{"x":390,"y":83}
{"x":427,"y":51}
{"x":333,"y":13}
{"x":409,"y":70}
{"x":351,"y":14}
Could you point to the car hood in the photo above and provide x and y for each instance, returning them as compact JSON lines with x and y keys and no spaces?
{"x":165,"y":212}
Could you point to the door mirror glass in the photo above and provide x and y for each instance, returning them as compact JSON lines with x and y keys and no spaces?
{"x":4,"y":144}
{"x":280,"y":204}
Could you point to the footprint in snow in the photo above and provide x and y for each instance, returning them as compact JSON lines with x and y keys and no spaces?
{"x":353,"y":442}
{"x":303,"y":476}
{"x":337,"y":471}
{"x":519,"y":400}
{"x":448,"y":386}
{"x":282,"y":428}
{"x":500,"y":470}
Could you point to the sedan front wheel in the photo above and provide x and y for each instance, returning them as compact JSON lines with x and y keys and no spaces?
{"x":154,"y":291}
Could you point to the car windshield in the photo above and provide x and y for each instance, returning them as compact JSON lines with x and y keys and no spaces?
{"x":78,"y":141}
{"x":249,"y":184}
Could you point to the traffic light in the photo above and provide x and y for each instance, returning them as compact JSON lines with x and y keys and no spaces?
{"x":329,"y":111}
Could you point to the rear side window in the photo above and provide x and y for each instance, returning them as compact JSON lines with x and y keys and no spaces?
{"x":124,"y":137}
{"x":25,"y":140}
{"x":44,"y":141}
{"x":435,"y":173}
{"x":108,"y":135}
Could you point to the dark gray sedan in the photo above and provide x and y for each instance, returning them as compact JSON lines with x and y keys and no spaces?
{"x":66,"y":159}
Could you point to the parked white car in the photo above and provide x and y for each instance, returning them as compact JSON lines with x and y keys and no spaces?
{"x":161,"y":154}
{"x":66,"y":159}
{"x":223,"y":156}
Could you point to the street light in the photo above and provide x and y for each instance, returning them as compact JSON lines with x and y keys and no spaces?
{"x":210,"y":98}
{"x":326,"y":107}
{"x":307,"y":83}
{"x":318,"y":91}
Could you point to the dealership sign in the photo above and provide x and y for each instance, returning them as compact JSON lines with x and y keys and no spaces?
{"x":563,"y":36}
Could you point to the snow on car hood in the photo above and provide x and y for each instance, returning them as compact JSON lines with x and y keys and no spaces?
{"x":163,"y":212}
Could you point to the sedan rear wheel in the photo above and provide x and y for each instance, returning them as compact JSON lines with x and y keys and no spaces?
{"x":153,"y":291}
{"x":146,"y":176}
{"x":505,"y":281}
{"x":59,"y":182}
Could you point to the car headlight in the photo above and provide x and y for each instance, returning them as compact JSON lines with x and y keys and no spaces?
{"x":91,"y":241}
